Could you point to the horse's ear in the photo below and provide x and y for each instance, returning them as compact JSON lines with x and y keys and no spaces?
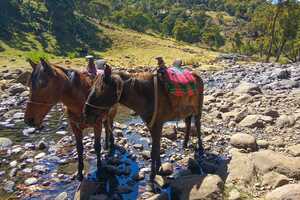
{"x":33,"y":64}
{"x":107,"y":73}
{"x":46,"y":66}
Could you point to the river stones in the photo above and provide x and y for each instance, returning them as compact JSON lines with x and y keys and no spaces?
{"x":244,"y":141}
{"x":267,"y":160}
{"x":248,"y":88}
{"x":294,"y":150}
{"x":16,"y":89}
{"x":9,"y":186}
{"x":274,"y":179}
{"x":5,"y":142}
{"x":62,"y":196}
{"x":252,"y":121}
{"x":286,"y":192}
{"x":166,"y":169}
{"x":208,"y":187}
{"x":30,"y":181}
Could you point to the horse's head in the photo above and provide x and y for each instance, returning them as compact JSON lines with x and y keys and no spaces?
{"x":45,"y":91}
{"x":105,"y":93}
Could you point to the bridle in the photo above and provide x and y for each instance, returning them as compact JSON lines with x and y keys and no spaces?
{"x":105,"y":108}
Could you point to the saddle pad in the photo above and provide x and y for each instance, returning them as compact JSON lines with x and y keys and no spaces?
{"x":180,"y":76}
{"x":181,"y":82}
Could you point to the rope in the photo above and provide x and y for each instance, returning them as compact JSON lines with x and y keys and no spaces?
{"x":155,"y":102}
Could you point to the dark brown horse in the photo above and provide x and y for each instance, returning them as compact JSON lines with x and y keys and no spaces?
{"x":138,"y":94}
{"x":50,"y":84}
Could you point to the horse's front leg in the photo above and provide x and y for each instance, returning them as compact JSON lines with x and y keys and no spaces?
{"x":155,"y":151}
{"x":109,"y":137}
{"x":79,"y":146}
{"x":97,"y":144}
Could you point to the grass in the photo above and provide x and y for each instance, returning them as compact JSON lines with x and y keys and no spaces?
{"x":129,"y":49}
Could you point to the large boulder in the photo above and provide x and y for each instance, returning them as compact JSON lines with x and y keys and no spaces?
{"x":248,"y":88}
{"x":244,"y":141}
{"x":240,"y":169}
{"x":252,"y":121}
{"x":286,"y":192}
{"x":274,"y":180}
{"x":267,"y":160}
{"x":198,"y":187}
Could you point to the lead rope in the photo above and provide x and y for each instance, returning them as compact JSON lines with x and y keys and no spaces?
{"x":155,"y":102}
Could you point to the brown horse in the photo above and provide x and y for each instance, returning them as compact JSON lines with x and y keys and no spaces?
{"x":138,"y":94}
{"x":50,"y":84}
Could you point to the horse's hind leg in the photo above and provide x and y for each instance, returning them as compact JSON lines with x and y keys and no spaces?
{"x":198,"y":127}
{"x":79,"y":146}
{"x":188,"y":121}
{"x":109,"y":136}
{"x":97,"y":145}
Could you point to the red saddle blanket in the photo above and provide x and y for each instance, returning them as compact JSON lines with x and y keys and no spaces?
{"x":181,"y":82}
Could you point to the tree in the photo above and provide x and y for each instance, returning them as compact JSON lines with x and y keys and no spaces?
{"x":212,"y":36}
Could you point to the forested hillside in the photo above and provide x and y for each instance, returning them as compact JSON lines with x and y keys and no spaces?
{"x":70,"y":27}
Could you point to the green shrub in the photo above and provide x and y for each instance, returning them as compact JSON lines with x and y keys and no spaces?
{"x":37,"y":55}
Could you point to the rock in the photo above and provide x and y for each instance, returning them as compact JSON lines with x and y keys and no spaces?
{"x":286,"y":192}
{"x":267,"y":160}
{"x":16,"y":89}
{"x":146,"y":154}
{"x":40,"y":155}
{"x":248,"y":88}
{"x":161,"y":196}
{"x":62,"y":132}
{"x":262,"y":144}
{"x":252,"y":121}
{"x":160,"y":180}
{"x":28,"y":131}
{"x":86,"y":189}
{"x":13,"y":172}
{"x":285,"y":121}
{"x":234,"y":195}
{"x":30,"y":181}
{"x":40,"y":168}
{"x":62,"y":196}
{"x":294,"y":150}
{"x":138,"y":146}
{"x":240,"y":169}
{"x":13,"y":163}
{"x":23,"y":78}
{"x":42,"y":145}
{"x":271,"y":113}
{"x":139,"y":176}
{"x":274,"y":180}
{"x":244,"y":99}
{"x":8,"y":186}
{"x":194,"y":187}
{"x":166,"y":169}
{"x":170,"y":132}
{"x":243,"y":141}
{"x":5,"y":142}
